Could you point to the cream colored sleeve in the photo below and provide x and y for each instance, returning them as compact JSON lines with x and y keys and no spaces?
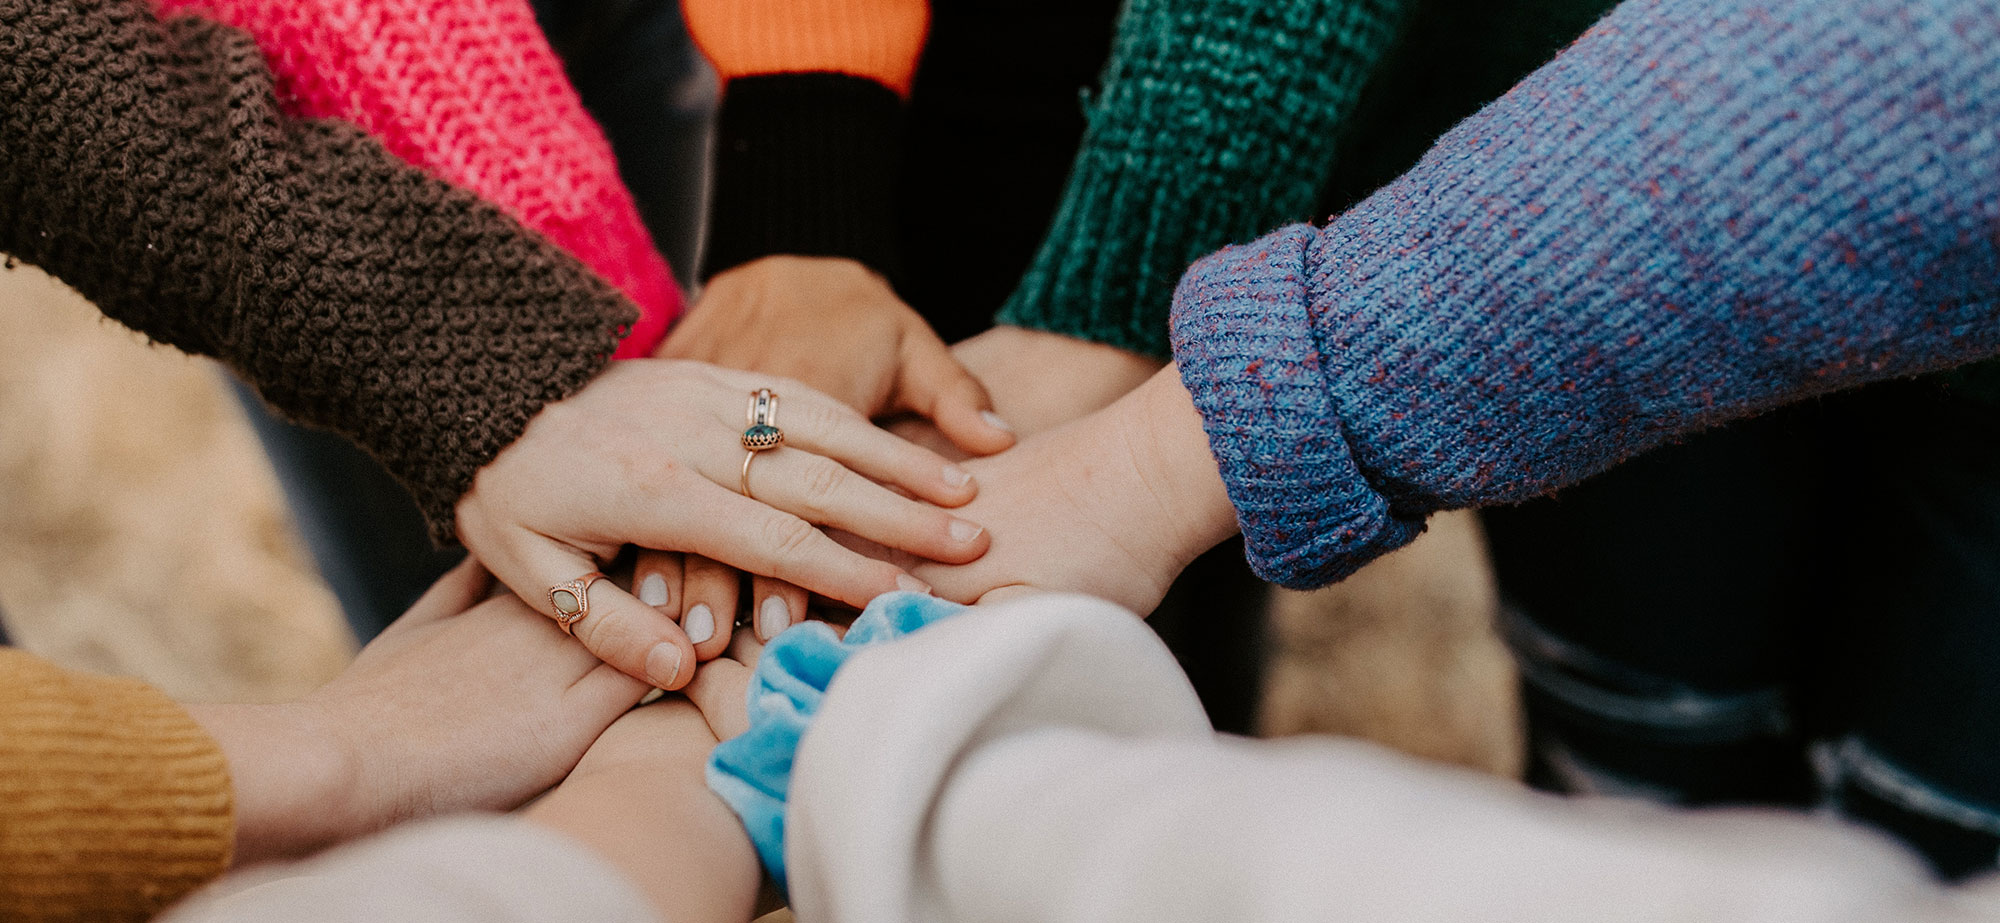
{"x":468,"y":869}
{"x":1045,"y":760}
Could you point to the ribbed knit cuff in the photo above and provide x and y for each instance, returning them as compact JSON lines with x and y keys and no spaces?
{"x":806,"y":164}
{"x":1248,"y":354}
{"x":113,"y":801}
{"x":1217,"y":122}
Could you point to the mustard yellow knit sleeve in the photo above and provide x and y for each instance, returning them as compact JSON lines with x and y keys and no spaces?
{"x":113,"y":802}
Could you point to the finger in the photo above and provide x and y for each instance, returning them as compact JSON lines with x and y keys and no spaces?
{"x":754,"y":537}
{"x":779,"y":606}
{"x":746,"y":649}
{"x":601,"y":696}
{"x":639,"y":640}
{"x":819,"y":490}
{"x":459,"y":589}
{"x":718,"y":692}
{"x":822,"y":426}
{"x":656,"y":580}
{"x":708,"y":596}
{"x":934,"y":384}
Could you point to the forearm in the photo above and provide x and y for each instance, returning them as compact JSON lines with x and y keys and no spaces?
{"x":148,"y":166}
{"x":809,"y":138}
{"x":1035,"y":742}
{"x":654,"y":819}
{"x":1699,"y":211}
{"x":1163,"y":433}
{"x":1215,"y":122}
{"x":293,"y":781}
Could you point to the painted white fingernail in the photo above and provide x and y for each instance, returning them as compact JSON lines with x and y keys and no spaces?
{"x":993,"y":419}
{"x":653,"y":590}
{"x":962,"y":531}
{"x":912,"y":584}
{"x":699,"y":623}
{"x":956,"y":476}
{"x":773,"y":617}
{"x":663,"y":664}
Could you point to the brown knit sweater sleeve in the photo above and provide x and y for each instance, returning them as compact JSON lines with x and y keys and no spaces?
{"x":148,"y":166}
{"x":113,"y":802}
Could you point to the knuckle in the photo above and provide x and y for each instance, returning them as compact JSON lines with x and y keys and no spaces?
{"x":824,"y":418}
{"x":821,"y":481}
{"x":788,"y":537}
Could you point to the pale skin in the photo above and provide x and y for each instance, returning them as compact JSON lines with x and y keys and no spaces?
{"x":460,"y":705}
{"x":588,"y":477}
{"x":1114,"y":504}
{"x":641,"y":802}
{"x":838,"y":326}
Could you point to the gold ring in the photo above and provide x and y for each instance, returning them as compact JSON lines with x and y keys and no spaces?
{"x":763,"y":407}
{"x":763,"y":434}
{"x":571,"y":601}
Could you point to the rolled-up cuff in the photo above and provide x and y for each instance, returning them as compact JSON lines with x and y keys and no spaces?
{"x":1244,"y":340}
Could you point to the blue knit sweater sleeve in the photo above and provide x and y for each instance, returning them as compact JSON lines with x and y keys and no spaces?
{"x":1701,"y":210}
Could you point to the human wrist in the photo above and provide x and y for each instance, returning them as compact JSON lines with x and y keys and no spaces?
{"x":1040,"y":379}
{"x":648,"y":812}
{"x":294,"y":778}
{"x":1171,"y":453}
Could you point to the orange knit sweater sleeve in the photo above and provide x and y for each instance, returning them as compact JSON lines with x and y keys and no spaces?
{"x":877,"y":39}
{"x":113,"y":802}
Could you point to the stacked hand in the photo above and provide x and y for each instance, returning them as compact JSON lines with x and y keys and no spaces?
{"x":649,"y":454}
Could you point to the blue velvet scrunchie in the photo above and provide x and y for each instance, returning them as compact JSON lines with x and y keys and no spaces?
{"x":753,"y":772}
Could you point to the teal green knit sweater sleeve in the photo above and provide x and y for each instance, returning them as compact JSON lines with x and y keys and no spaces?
{"x":1216,"y":121}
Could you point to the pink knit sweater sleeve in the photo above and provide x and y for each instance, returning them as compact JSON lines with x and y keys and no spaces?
{"x":471,"y":91}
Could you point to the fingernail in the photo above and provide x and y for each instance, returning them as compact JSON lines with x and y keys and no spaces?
{"x":699,"y":623}
{"x":956,"y":476}
{"x":962,"y":531}
{"x":653,"y":590}
{"x":663,"y":664}
{"x":912,"y":584}
{"x":993,"y":419}
{"x":773,"y":617}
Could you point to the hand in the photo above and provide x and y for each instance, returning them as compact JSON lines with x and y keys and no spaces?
{"x":1114,"y":504}
{"x":649,"y":454}
{"x":640,"y":800}
{"x":1041,"y":380}
{"x":454,"y":707}
{"x":837,"y":326}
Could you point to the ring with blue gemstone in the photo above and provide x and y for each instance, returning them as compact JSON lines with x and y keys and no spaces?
{"x":763,"y":434}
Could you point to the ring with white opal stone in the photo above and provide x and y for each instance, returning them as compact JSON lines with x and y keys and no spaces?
{"x":571,"y":601}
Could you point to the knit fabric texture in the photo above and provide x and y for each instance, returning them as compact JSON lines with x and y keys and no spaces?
{"x":113,"y":801}
{"x":752,"y":772}
{"x":878,"y":40}
{"x":1701,"y":210}
{"x":471,"y":91}
{"x":1215,"y":122}
{"x":804,"y":164}
{"x":149,"y":166}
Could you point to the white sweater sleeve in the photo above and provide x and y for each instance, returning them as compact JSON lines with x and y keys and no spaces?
{"x":1045,"y":760}
{"x":467,"y":869}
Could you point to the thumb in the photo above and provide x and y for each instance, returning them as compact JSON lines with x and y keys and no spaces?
{"x":934,"y":385}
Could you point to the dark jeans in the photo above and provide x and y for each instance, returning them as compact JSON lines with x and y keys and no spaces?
{"x":1801,"y":609}
{"x":640,"y":76}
